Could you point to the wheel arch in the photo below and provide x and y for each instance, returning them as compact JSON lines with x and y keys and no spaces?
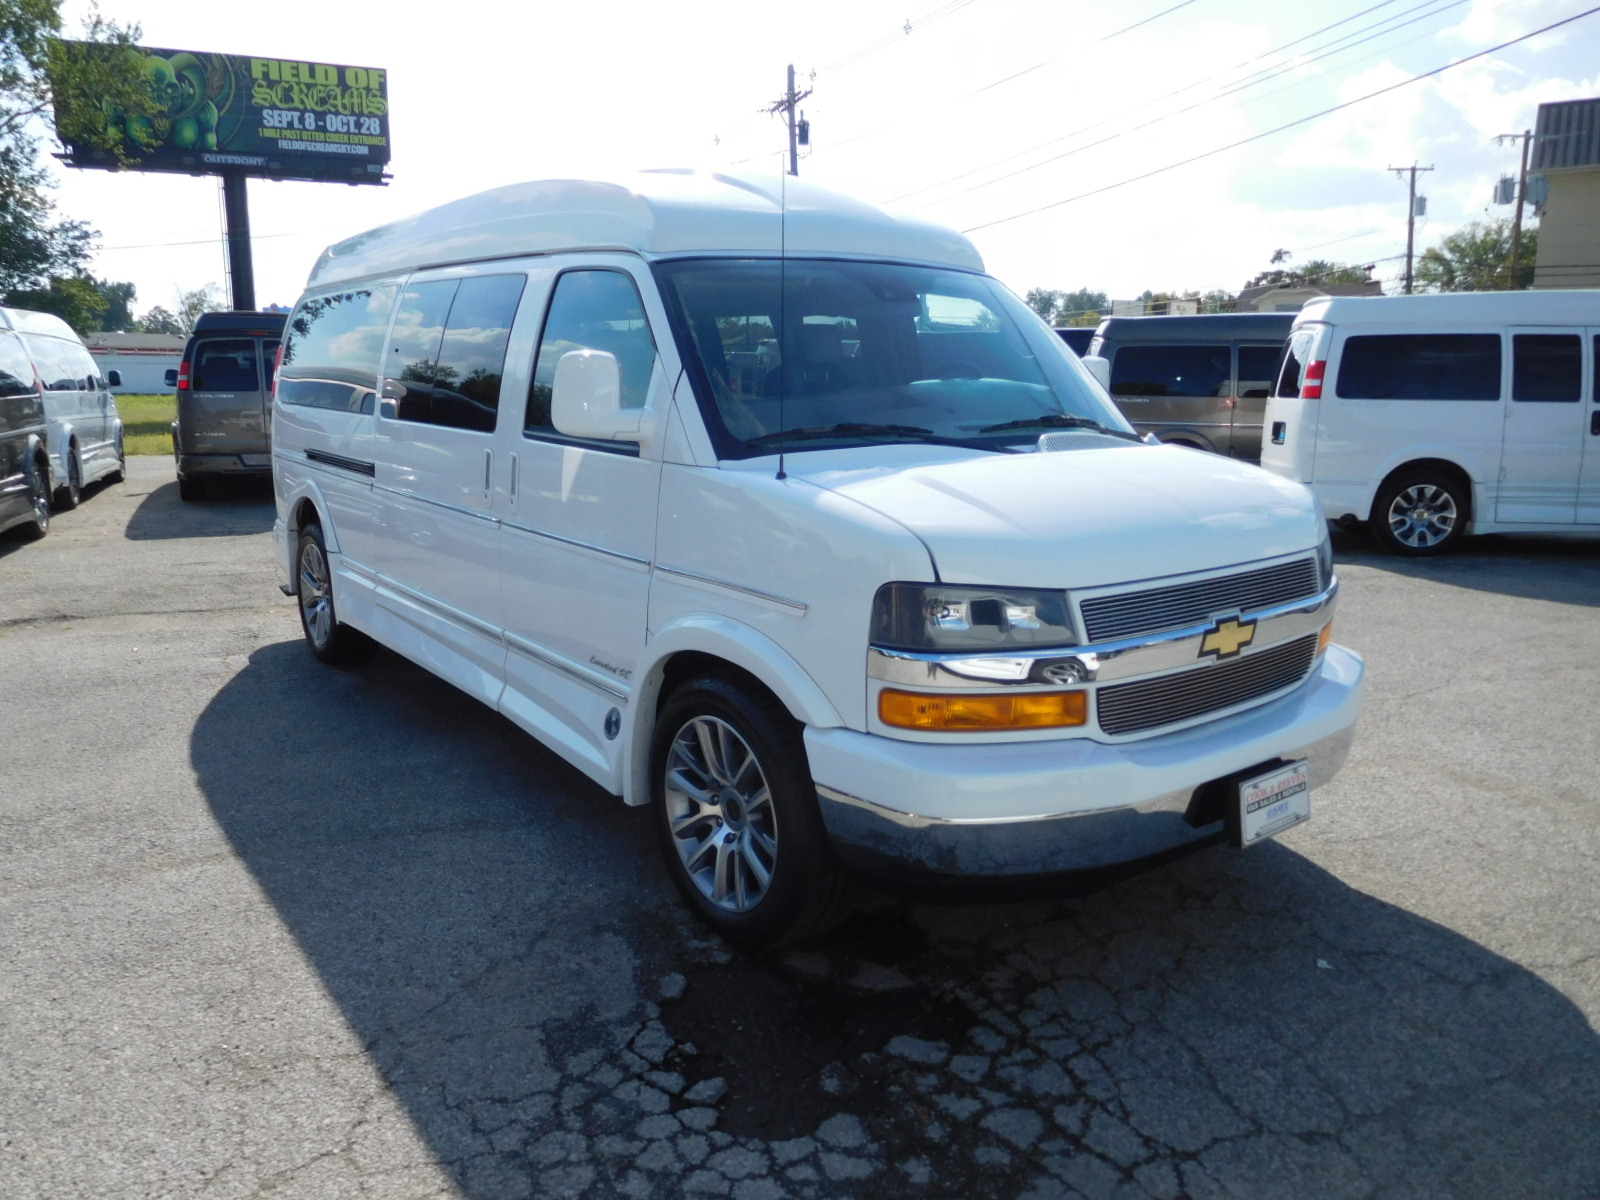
{"x":709,"y":644}
{"x":307,"y":506}
{"x":1444,"y":466}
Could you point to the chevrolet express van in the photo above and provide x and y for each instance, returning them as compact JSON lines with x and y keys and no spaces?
{"x":24,"y":461}
{"x":1434,"y":417}
{"x":224,"y":389}
{"x":84,"y":435}
{"x":1197,"y":381}
{"x":772,"y":511}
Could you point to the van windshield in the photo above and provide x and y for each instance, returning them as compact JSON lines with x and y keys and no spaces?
{"x":819,"y":354}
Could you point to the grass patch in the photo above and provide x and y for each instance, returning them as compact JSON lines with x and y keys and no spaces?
{"x":147,"y":422}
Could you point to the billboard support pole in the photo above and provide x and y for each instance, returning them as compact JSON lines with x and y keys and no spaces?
{"x":236,"y":206}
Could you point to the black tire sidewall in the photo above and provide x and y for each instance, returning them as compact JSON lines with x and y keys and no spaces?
{"x":1386,"y":499}
{"x":804,"y":856}
{"x":312,"y":535}
{"x":68,"y":497}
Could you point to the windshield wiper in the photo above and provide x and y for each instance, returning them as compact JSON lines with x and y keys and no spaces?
{"x":1060,"y":421}
{"x":847,"y":429}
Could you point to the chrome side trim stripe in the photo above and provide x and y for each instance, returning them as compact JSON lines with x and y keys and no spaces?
{"x":355,"y":465}
{"x":476,"y":513}
{"x":795,"y":606}
{"x":577,"y":545}
{"x":565,"y":666}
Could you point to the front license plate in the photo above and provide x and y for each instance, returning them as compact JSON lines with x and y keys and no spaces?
{"x":1271,"y":802}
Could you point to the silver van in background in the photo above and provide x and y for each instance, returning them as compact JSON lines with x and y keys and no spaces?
{"x":223,"y":427}
{"x":1194,"y":381}
{"x":84,"y":438}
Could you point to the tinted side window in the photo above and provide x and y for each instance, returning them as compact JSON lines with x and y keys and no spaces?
{"x":225,"y":366}
{"x":1421,"y":366}
{"x":1546,"y":366}
{"x":1258,"y":367}
{"x":1171,"y":371}
{"x":56,"y":370}
{"x":332,"y":348}
{"x":593,"y":310}
{"x":449,"y":349}
{"x":16,"y":371}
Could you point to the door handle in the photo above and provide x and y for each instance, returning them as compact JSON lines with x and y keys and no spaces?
{"x":1594,"y":423}
{"x":488,"y":472}
{"x":515,"y":463}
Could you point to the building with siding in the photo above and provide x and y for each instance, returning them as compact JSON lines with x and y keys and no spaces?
{"x":1566,"y":151}
{"x":143,"y":358}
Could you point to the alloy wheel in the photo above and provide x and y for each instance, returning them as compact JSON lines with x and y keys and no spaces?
{"x":1422,"y":516}
{"x":720,"y":814}
{"x":316,"y":597}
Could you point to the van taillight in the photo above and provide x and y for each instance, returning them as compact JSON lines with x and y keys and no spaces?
{"x":183,"y":376}
{"x":1311,"y":385}
{"x":277,"y":365}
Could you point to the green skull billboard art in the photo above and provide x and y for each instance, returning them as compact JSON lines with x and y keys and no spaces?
{"x":278,"y":118}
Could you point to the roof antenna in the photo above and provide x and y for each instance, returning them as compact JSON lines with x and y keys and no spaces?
{"x":783,"y":299}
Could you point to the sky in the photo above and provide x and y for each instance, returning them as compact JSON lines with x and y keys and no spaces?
{"x":1026,"y":123}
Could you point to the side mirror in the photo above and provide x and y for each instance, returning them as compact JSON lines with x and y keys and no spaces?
{"x":1100,"y":368}
{"x":114,"y":378}
{"x":586,"y":400}
{"x":171,"y":378}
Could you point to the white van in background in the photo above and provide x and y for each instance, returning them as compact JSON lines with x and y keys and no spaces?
{"x":1433,"y":417}
{"x":84,"y":438}
{"x":772,"y":511}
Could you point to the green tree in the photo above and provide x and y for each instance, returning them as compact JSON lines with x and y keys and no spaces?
{"x":194,"y":301}
{"x":1313,"y":271}
{"x":161,"y":320}
{"x":1082,"y":307}
{"x":76,"y":299}
{"x":1477,"y":258}
{"x":119,"y":306}
{"x":1043,"y":301}
{"x":37,"y":70}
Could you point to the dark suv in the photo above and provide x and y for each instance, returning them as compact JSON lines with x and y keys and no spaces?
{"x":225,"y":399}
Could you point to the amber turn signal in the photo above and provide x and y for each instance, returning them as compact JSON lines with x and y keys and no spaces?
{"x":1325,"y":637}
{"x":987,"y":712}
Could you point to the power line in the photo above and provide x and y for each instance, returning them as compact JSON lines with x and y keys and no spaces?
{"x":1588,"y":12}
{"x":1318,"y":54}
{"x":883,"y":43}
{"x":255,"y":237}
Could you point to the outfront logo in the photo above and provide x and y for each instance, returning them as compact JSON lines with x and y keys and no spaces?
{"x":1226,"y":638}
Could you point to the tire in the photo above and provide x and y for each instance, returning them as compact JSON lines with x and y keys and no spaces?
{"x":121,"y":472}
{"x":1420,"y":513}
{"x":69,"y":497}
{"x":191,"y":489}
{"x":330,"y":641}
{"x":39,"y":499}
{"x":736,"y":814}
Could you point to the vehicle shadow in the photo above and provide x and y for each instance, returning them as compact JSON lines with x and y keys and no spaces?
{"x":231,"y":508}
{"x":493,"y":928}
{"x":1563,"y":570}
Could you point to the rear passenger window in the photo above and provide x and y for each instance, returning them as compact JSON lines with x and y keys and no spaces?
{"x":1258,"y":367}
{"x":16,"y":372}
{"x":1421,"y":366}
{"x":592,"y":310}
{"x":332,"y":348}
{"x":449,"y":350}
{"x":1171,"y":371}
{"x":225,"y":366}
{"x":1546,"y":366}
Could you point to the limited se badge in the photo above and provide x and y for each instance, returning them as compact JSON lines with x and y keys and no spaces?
{"x":1226,"y":638}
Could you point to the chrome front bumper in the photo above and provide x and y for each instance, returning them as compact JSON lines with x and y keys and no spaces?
{"x":918,"y":810}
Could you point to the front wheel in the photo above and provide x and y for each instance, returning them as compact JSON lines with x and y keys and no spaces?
{"x":1420,"y":513}
{"x":736,"y":812}
{"x":330,"y":641}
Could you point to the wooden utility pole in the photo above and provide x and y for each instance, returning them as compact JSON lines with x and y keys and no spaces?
{"x":786,"y":106}
{"x":1411,"y":216}
{"x":1526,"y":136}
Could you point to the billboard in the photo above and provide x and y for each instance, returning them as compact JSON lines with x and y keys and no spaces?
{"x":271,"y":117}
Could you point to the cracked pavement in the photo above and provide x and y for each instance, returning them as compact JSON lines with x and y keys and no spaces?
{"x":268,"y":928}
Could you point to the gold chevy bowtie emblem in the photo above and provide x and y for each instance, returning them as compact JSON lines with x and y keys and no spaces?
{"x":1227,"y":638}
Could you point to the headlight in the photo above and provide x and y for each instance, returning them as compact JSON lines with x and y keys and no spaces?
{"x":1325,"y":558}
{"x":932,"y":616}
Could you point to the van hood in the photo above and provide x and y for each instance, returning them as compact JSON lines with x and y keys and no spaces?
{"x":1081,"y":518}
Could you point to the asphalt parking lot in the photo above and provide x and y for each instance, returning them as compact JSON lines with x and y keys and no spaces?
{"x":270,"y":928}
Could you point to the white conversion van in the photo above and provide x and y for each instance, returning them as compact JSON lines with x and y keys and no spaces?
{"x":84,"y":438}
{"x":1437,"y":416}
{"x":772,"y":511}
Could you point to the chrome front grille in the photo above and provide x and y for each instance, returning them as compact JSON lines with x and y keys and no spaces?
{"x":1168,"y":699}
{"x":1130,"y":614}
